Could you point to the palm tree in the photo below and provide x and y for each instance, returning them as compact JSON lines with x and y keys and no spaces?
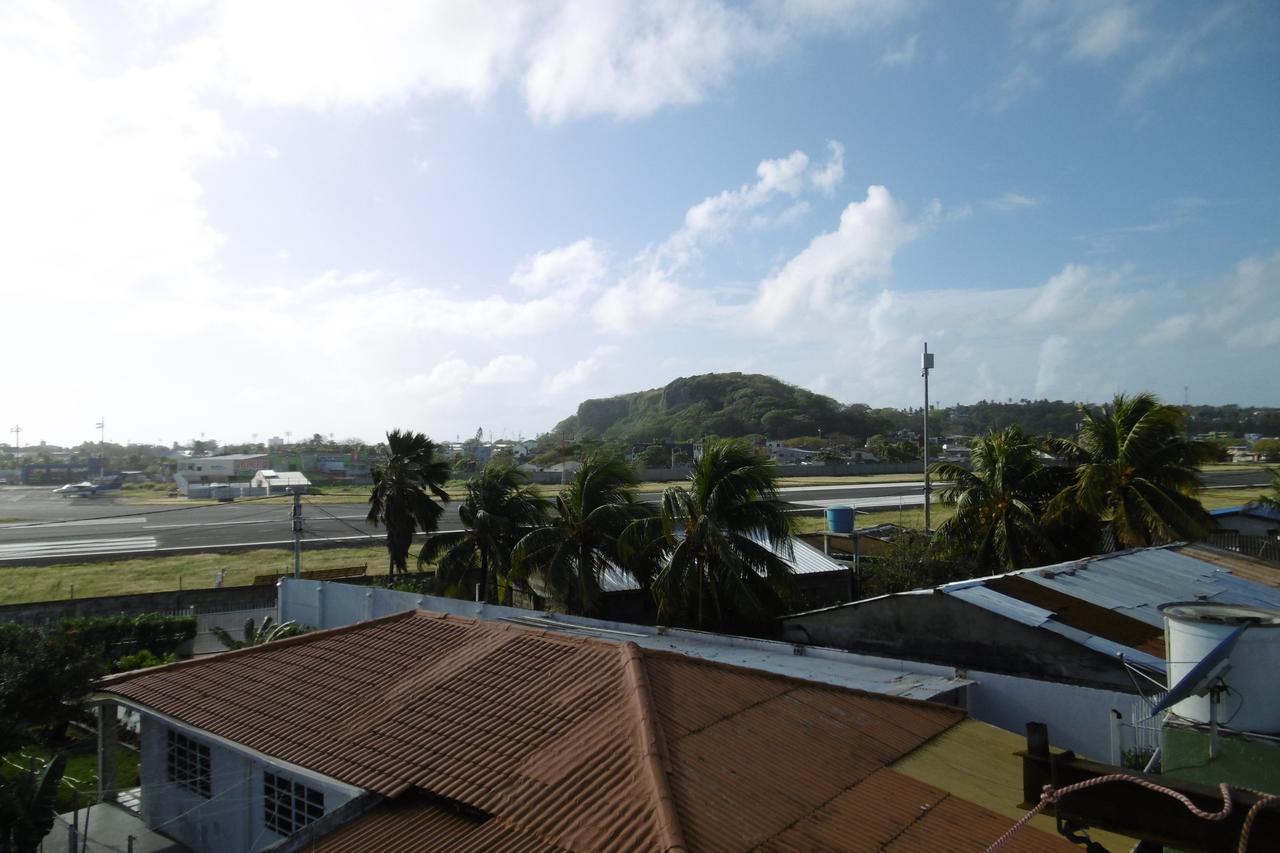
{"x":500,"y":508}
{"x":1271,"y":500}
{"x":403,"y":484}
{"x":999,"y":501}
{"x":1136,"y":471}
{"x":256,"y":636}
{"x":718,"y":568}
{"x":581,"y":542}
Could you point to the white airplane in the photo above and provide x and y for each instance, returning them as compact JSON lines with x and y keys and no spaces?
{"x":70,"y":490}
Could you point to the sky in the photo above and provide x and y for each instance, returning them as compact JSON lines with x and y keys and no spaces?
{"x":237,"y":220}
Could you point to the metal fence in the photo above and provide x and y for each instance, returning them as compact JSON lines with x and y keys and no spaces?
{"x":1262,"y":547}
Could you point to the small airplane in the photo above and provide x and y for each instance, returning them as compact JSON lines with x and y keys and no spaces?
{"x":71,"y":490}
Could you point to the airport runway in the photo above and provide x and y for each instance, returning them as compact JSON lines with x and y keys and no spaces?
{"x":37,"y":526}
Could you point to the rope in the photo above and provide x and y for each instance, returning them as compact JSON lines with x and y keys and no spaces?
{"x":1051,"y":796}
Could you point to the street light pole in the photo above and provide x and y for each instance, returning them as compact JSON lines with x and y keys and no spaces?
{"x":102,"y":446}
{"x":926,"y":364}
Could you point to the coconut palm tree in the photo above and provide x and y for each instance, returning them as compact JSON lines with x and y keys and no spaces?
{"x":403,"y":484}
{"x":499,"y":509}
{"x":718,"y":568}
{"x":999,"y":501}
{"x":1135,"y":471}
{"x":571,"y":553}
{"x":1271,"y":499}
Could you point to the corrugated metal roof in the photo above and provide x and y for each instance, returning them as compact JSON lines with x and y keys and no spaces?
{"x":1128,"y":586}
{"x":804,"y":559}
{"x":565,"y":742}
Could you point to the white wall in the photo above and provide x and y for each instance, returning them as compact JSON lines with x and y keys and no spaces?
{"x":232,"y":818}
{"x":1078,"y":718}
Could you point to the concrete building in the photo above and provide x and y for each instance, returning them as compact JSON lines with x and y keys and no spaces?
{"x":1067,"y":644}
{"x":426,"y":731}
{"x":281,"y":482}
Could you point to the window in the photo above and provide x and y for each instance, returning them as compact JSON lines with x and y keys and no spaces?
{"x":187,"y":763}
{"x":289,"y":805}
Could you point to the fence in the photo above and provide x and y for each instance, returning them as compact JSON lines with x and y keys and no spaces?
{"x":231,"y":621}
{"x":1262,"y":547}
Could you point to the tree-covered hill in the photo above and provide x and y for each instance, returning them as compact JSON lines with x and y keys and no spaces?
{"x":741,"y":404}
{"x":721,"y":404}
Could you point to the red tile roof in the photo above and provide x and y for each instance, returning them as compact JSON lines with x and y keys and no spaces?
{"x":570,"y":743}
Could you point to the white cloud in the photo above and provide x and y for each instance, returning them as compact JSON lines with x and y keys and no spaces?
{"x":1079,"y":297}
{"x":819,"y":277}
{"x":1020,"y":81}
{"x":1176,"y":54}
{"x":1085,"y":30}
{"x":646,"y":300}
{"x":571,"y":270}
{"x":1167,"y":330}
{"x":1053,"y":356}
{"x":1011,"y":202}
{"x":831,"y":174}
{"x":506,"y":370}
{"x":903,"y":54}
{"x":581,"y":371}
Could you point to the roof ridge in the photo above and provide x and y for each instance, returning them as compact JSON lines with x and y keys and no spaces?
{"x":656,"y":760}
{"x":121,"y":677}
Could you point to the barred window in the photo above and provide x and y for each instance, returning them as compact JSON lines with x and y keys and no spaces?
{"x":289,"y":805}
{"x":187,"y":763}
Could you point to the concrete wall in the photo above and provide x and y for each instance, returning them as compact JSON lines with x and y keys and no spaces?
{"x":231,"y":819}
{"x":1079,"y":718}
{"x":228,"y":598}
{"x":942,"y":629}
{"x":681,"y":472}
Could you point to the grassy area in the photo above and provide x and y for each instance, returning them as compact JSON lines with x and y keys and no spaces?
{"x":1219,"y":498}
{"x":161,"y":574}
{"x":80,"y":780}
{"x":907,"y":516}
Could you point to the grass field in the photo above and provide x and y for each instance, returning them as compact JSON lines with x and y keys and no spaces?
{"x":161,"y":574}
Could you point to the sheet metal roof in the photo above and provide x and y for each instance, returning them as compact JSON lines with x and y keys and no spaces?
{"x":575,"y":743}
{"x":804,"y":559}
{"x":1130,"y":585}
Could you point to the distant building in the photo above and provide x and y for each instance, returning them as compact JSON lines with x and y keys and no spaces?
{"x":281,"y":482}
{"x":275,"y":441}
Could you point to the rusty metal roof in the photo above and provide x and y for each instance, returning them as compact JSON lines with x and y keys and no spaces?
{"x":547,"y":741}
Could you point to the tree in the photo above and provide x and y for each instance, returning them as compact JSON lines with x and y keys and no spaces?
{"x":1272,"y":498}
{"x":572,"y":552}
{"x":999,"y":502}
{"x":1135,"y":471}
{"x":499,"y":509}
{"x":1268,"y":449}
{"x":27,"y":805}
{"x":655,"y":456}
{"x":253,"y":635}
{"x":718,"y":569}
{"x":403,"y":484}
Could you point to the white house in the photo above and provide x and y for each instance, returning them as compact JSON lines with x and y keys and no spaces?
{"x":280,"y":482}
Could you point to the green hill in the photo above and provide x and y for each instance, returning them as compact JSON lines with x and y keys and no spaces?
{"x":721,"y":404}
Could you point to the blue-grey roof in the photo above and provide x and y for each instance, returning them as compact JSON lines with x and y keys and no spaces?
{"x":1132,"y":584}
{"x":804,"y":559}
{"x":1254,"y":510}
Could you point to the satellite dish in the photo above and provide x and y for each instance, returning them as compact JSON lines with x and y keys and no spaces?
{"x":1204,"y":676}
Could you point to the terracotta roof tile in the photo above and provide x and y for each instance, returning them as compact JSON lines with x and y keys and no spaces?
{"x":566,"y":742}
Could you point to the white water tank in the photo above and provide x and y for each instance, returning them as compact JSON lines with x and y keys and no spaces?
{"x":1193,"y":629}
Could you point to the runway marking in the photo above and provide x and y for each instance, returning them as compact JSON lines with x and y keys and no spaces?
{"x":89,"y":522}
{"x":76,"y":547}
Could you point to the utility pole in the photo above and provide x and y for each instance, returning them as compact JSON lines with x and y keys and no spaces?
{"x":297,"y":533}
{"x":102,"y":445}
{"x":926,"y":364}
{"x":17,"y":441}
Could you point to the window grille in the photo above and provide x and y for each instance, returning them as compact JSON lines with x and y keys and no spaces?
{"x":187,"y":763}
{"x":289,"y":805}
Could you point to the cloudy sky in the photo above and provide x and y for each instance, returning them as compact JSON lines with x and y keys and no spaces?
{"x":246,"y":218}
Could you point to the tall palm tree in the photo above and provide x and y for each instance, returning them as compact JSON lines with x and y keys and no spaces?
{"x":499,"y":509}
{"x":1136,"y":471}
{"x":403,"y":485}
{"x":999,"y":501}
{"x":718,"y":569}
{"x":581,"y":542}
{"x":1271,"y":499}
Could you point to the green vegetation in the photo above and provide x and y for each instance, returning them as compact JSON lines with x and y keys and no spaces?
{"x":1272,"y":498}
{"x":255,"y":635}
{"x":714,"y":571}
{"x":570,"y":553}
{"x":403,"y":485}
{"x":499,"y":509}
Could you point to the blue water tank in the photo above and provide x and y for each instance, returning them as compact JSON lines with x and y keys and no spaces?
{"x":840,"y":519}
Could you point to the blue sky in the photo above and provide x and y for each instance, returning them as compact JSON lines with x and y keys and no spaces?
{"x":247,"y":218}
